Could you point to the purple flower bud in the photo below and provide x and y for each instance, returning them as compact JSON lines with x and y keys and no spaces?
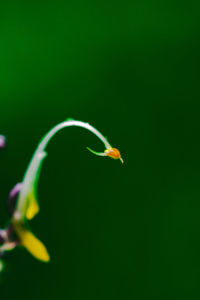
{"x":12,"y":198}
{"x":2,"y":141}
{"x":2,"y":236}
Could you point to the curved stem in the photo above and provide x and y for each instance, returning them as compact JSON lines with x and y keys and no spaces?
{"x":32,"y":174}
{"x":62,"y":125}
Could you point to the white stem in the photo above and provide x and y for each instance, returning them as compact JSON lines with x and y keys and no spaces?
{"x":32,"y":173}
{"x":62,"y":125}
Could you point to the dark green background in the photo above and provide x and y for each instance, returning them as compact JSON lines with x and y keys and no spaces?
{"x":131,"y":69}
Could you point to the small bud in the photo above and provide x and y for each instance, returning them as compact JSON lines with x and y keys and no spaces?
{"x":12,"y":198}
{"x":2,"y":141}
{"x":114,"y":153}
{"x":3,"y":236}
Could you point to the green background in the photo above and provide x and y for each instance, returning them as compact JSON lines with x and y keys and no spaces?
{"x":130,"y":69}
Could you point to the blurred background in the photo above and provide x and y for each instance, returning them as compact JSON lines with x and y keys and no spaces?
{"x":130,"y":69}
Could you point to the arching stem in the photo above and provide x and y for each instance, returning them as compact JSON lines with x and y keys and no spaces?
{"x":32,"y":174}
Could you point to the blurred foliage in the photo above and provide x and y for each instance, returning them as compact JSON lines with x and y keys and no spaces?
{"x":130,"y":69}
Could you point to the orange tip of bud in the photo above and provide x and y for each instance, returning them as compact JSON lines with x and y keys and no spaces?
{"x":113,"y":153}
